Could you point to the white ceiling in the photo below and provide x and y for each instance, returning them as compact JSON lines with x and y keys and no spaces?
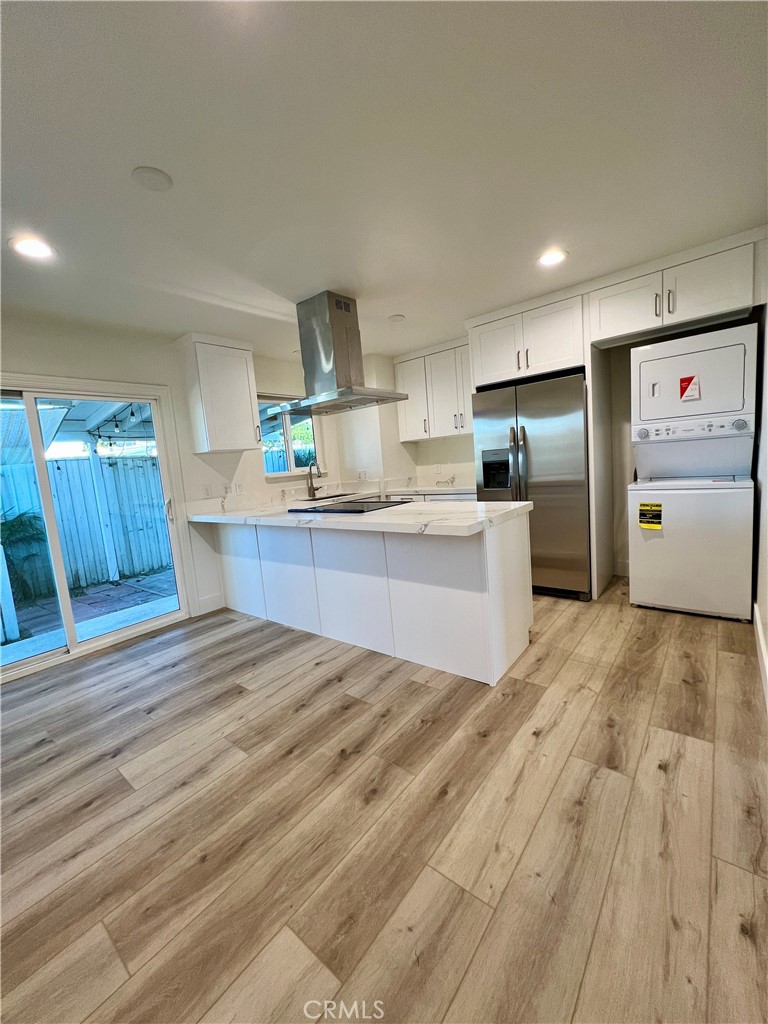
{"x":418,"y":156}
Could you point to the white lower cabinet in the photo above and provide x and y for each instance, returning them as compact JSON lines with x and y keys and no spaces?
{"x":352,"y":588}
{"x":240,"y":567}
{"x":288,"y":575}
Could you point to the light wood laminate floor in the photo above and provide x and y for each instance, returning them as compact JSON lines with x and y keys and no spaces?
{"x":230,"y":820}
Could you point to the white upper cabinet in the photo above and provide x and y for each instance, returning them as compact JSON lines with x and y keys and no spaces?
{"x":221,"y":388}
{"x":712,"y":285}
{"x":442,"y":393}
{"x":464,"y":374}
{"x":497,"y":350}
{"x":412,"y":416}
{"x":553,"y":337}
{"x":624,"y":308}
{"x":695,"y":290}
{"x":439,"y":389}
{"x":548,"y":338}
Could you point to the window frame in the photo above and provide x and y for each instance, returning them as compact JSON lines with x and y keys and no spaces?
{"x":275,"y":399}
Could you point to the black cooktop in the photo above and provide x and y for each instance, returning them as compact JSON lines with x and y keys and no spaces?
{"x":359,"y":505}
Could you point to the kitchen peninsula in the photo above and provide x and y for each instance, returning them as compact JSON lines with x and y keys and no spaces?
{"x":446,"y":585}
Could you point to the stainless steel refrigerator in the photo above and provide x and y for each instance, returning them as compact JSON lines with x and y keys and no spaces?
{"x":531,"y":444}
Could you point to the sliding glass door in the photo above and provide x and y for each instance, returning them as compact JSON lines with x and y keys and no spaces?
{"x":31,"y":623}
{"x":88,"y":487}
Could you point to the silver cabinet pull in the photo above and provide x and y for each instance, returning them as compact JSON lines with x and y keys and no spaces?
{"x":514,"y":477}
{"x":461,"y":419}
{"x":425,"y":426}
{"x":670,"y":301}
{"x":258,"y":434}
{"x":455,"y":422}
{"x":518,"y":360}
{"x":522,"y":459}
{"x":657,"y":304}
{"x":527,"y":360}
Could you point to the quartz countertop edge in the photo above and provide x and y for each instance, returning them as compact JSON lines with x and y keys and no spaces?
{"x":444,"y":518}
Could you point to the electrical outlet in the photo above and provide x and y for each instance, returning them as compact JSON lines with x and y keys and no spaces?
{"x":438,"y":469}
{"x":362,"y":474}
{"x":227,"y":490}
{"x":239,"y":489}
{"x":208,"y":491}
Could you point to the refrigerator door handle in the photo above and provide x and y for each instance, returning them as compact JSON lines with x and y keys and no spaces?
{"x":514,"y":476}
{"x":522,"y":460}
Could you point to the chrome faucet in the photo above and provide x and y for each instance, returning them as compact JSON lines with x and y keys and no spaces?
{"x":311,"y":489}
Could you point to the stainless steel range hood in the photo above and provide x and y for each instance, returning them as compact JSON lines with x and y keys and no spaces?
{"x":332,"y":358}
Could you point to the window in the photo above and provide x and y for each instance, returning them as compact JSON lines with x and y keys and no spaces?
{"x":288,"y":438}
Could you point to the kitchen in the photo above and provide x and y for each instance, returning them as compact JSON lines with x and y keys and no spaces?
{"x":426,"y":522}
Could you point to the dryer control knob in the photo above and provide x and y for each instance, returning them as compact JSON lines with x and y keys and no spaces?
{"x":642,"y":433}
{"x":739,"y":424}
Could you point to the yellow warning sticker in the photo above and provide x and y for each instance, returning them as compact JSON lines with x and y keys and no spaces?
{"x":649,"y":515}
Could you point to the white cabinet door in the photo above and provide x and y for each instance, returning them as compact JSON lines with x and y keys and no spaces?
{"x":464,"y":371}
{"x":442,"y":394}
{"x":410,"y":377}
{"x":229,"y":400}
{"x":497,"y":350}
{"x":625,"y":308}
{"x":553,"y":336}
{"x":705,"y":287}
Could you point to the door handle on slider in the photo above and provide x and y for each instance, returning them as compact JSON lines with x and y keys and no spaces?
{"x":169,"y":510}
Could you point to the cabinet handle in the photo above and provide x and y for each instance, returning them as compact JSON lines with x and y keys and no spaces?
{"x":670,"y":301}
{"x":258,"y":435}
{"x":425,"y":426}
{"x":455,"y":422}
{"x":527,"y":361}
{"x":518,"y":360}
{"x":461,"y":419}
{"x":657,"y":304}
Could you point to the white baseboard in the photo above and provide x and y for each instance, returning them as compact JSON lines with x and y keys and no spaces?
{"x":762,"y":649}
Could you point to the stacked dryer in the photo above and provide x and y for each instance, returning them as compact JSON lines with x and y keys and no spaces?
{"x":691,"y":511}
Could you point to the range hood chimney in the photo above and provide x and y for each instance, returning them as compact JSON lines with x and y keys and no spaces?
{"x":332,"y":358}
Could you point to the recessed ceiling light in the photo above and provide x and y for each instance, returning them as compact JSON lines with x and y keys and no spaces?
{"x":551,"y":257}
{"x":33,"y":248}
{"x":396,"y":318}
{"x":152,"y":179}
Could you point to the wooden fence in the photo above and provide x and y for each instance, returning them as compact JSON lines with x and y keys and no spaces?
{"x":135,"y":501}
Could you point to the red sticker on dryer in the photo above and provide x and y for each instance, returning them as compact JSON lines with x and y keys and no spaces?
{"x":689,"y":388}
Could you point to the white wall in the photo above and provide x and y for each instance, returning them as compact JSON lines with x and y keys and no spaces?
{"x":623,"y":456}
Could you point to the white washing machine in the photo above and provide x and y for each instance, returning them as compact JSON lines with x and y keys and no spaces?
{"x":690,"y":545}
{"x":691,"y":512}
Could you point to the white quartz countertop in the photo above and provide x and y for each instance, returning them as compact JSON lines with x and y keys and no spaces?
{"x":444,"y":518}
